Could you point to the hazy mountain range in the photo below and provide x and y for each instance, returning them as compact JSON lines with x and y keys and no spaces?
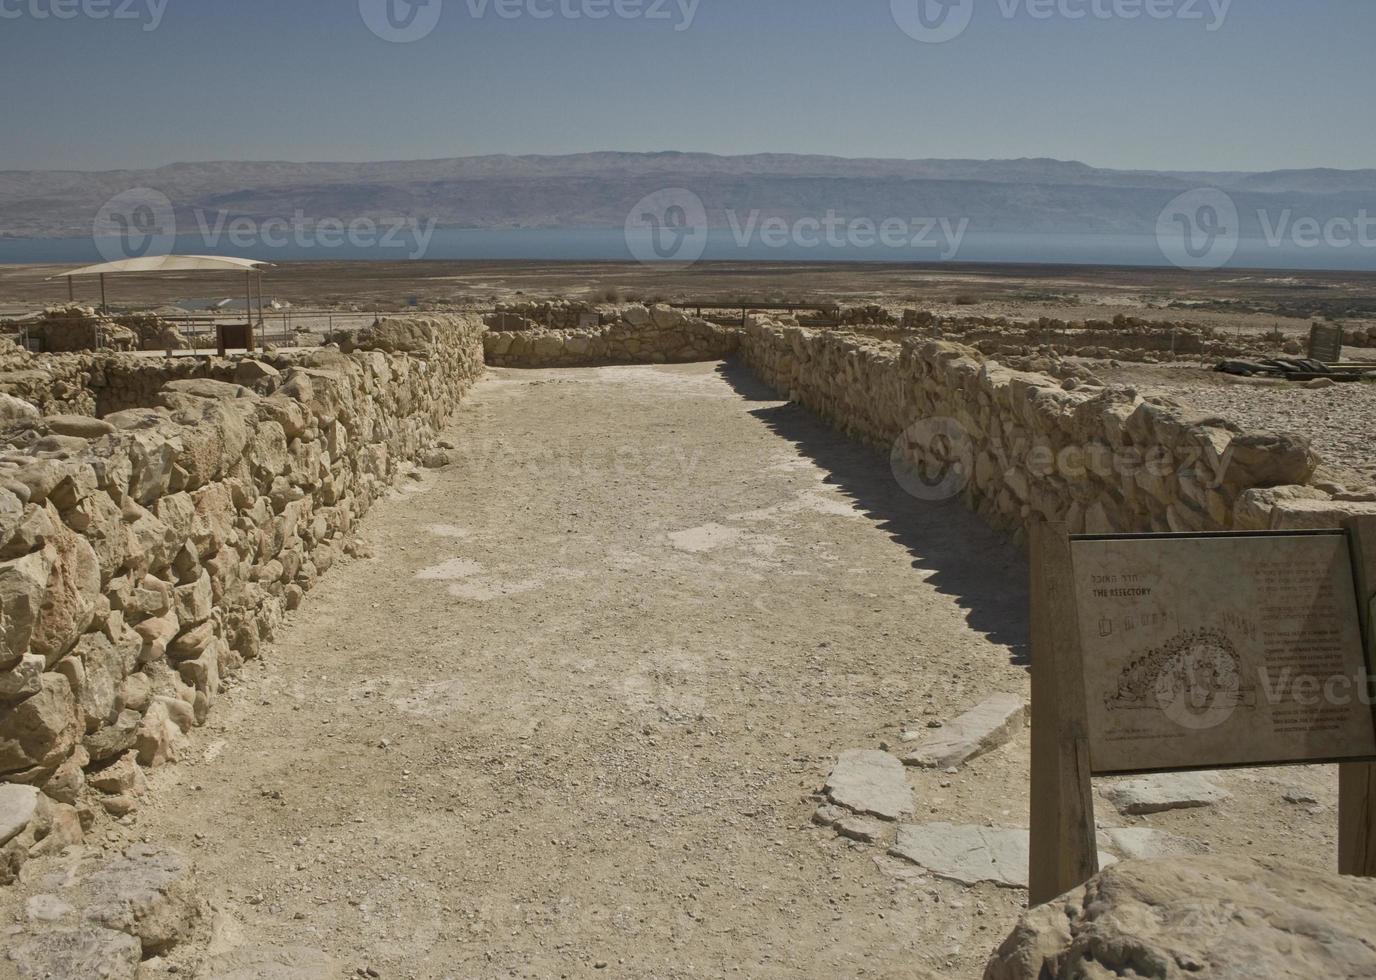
{"x":599,"y":190}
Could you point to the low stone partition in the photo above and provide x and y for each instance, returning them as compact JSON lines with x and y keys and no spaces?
{"x":547,"y":315}
{"x":71,"y":328}
{"x":145,"y":555}
{"x":98,"y":383}
{"x":1018,"y":446}
{"x":659,"y":335}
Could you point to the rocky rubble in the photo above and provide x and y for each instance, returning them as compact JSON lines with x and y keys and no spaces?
{"x":1206,"y":918}
{"x":144,"y":556}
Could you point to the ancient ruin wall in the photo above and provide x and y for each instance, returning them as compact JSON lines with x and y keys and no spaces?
{"x":1020,"y":446}
{"x":642,"y":336}
{"x":144,"y":556}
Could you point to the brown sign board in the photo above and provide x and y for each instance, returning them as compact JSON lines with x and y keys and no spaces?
{"x":1326,"y":343}
{"x":1216,"y":651}
{"x":1178,"y":652}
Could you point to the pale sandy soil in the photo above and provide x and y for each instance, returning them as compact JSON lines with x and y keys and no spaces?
{"x":571,"y":719}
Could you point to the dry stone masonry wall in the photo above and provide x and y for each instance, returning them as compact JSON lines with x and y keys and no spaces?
{"x":65,"y":329}
{"x":1020,"y":446}
{"x":145,"y":555}
{"x":659,"y":335}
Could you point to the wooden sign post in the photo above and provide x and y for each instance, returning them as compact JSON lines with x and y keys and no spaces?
{"x":1185,"y":652}
{"x":1326,"y":343}
{"x":1357,"y":780}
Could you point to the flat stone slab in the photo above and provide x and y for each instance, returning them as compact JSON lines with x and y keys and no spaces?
{"x":870,"y":782}
{"x":1146,"y":844}
{"x":17,"y":807}
{"x":147,"y":892}
{"x":966,"y":853}
{"x":84,"y":951}
{"x":970,"y":853}
{"x":866,"y":830}
{"x":1156,"y":794}
{"x":985,"y":727}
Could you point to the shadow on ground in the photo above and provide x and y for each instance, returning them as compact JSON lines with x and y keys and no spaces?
{"x":962,"y":556}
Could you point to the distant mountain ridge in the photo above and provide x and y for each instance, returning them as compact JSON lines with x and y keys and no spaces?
{"x":599,"y":190}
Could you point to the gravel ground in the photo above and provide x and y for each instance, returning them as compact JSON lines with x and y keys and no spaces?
{"x":1339,"y":421}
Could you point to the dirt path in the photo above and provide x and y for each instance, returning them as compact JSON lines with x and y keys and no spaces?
{"x":575,"y":709}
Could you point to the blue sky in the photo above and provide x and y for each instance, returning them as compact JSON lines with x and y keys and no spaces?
{"x":1278,"y":84}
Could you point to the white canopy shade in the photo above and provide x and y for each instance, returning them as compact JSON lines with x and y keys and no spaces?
{"x":168,"y":263}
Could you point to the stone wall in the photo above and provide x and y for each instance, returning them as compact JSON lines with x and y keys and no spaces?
{"x":641,"y":336}
{"x":1124,"y":338}
{"x":1019,"y":446}
{"x":560,"y":314}
{"x":66,"y":329}
{"x":144,"y":556}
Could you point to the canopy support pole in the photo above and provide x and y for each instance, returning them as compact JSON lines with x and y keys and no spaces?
{"x":103,"y":307}
{"x":261,"y":322}
{"x":248,"y":310}
{"x":71,"y":290}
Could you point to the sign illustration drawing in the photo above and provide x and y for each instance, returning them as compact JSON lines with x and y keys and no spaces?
{"x":1195,"y":678}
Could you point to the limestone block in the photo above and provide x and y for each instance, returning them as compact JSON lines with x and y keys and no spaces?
{"x":1287,"y":921}
{"x":39,"y":732}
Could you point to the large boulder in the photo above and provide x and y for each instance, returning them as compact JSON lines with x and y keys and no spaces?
{"x":1268,"y":459}
{"x":394,"y":337}
{"x":15,"y":410}
{"x":69,"y":599}
{"x":1201,"y":918}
